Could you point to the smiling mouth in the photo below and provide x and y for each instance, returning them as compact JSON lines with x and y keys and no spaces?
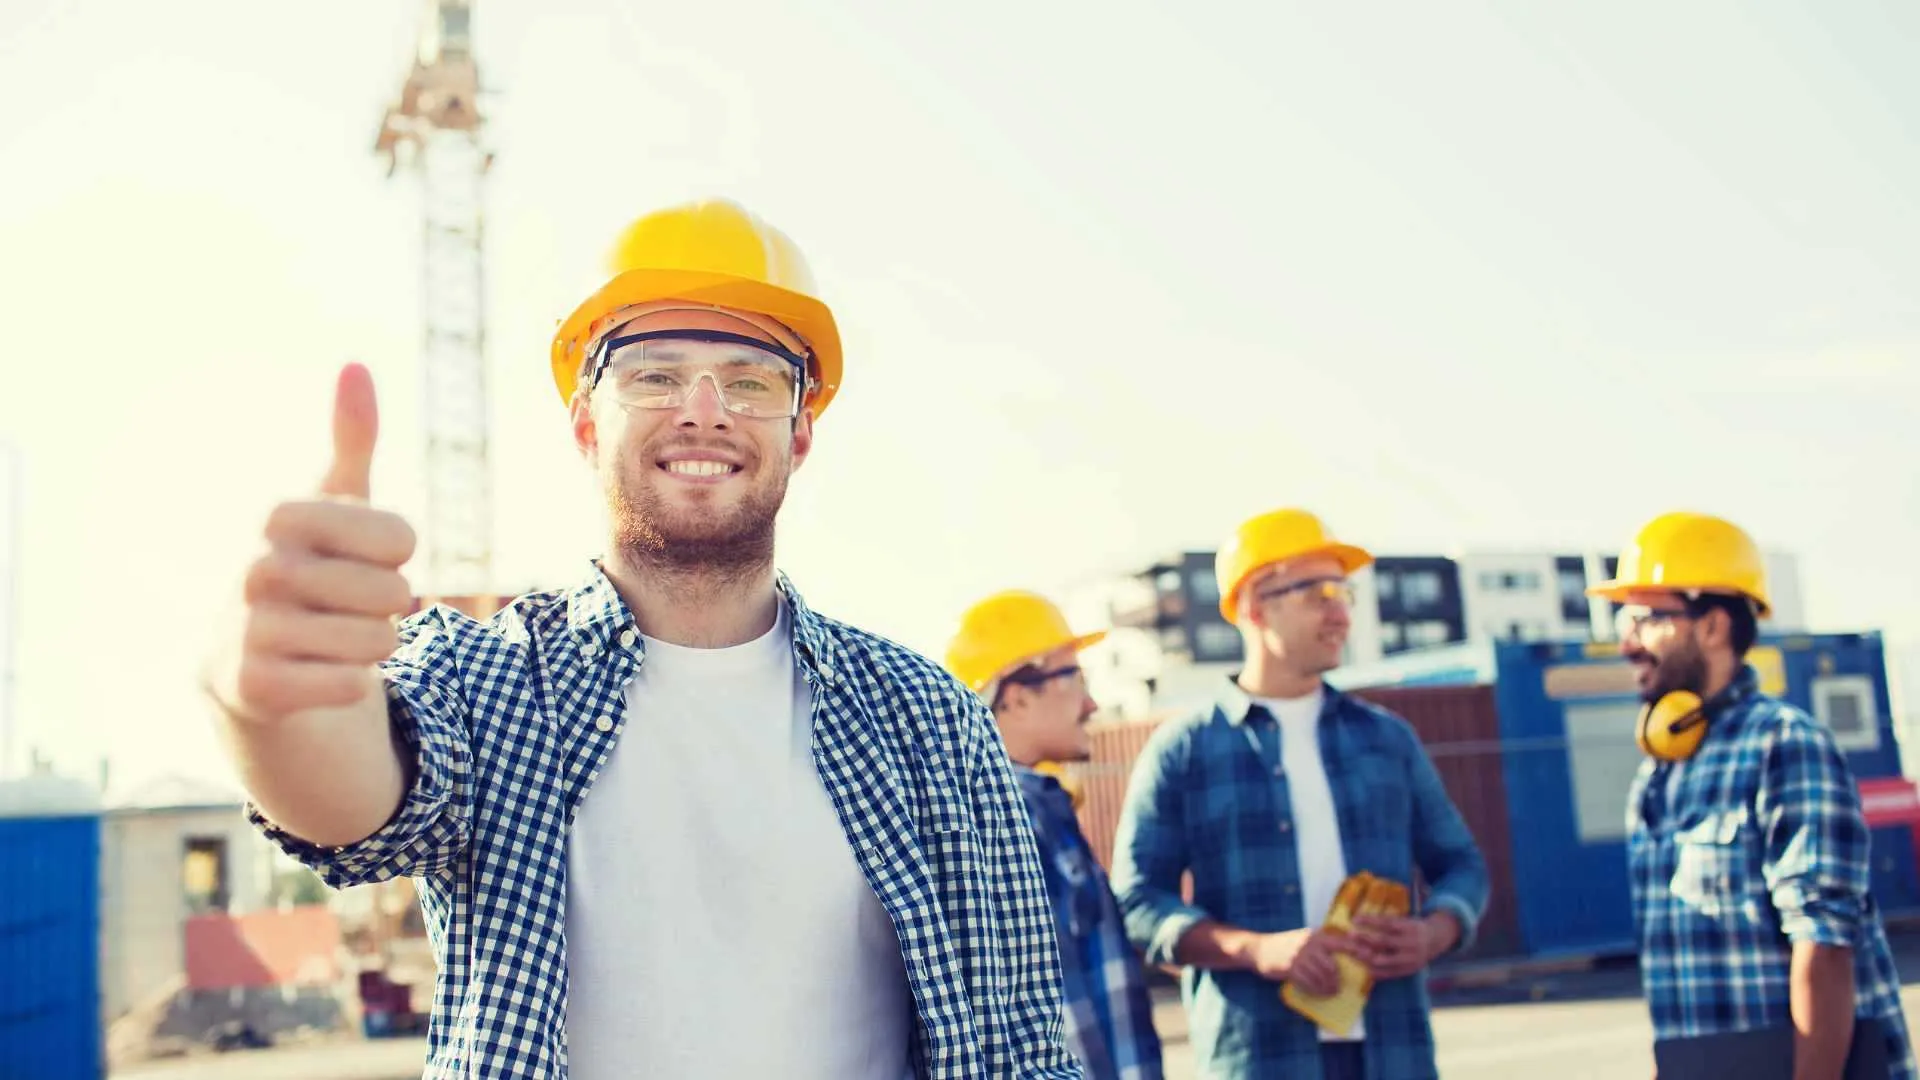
{"x":704,"y":470}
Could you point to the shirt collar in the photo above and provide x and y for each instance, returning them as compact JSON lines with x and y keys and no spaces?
{"x":596,"y":612}
{"x":1039,"y":785}
{"x":1238,"y":705}
{"x":1742,"y":688}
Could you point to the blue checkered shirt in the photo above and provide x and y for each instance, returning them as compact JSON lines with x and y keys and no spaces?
{"x":1109,"y":1011}
{"x":1209,"y":796}
{"x":511,"y":721}
{"x":1756,"y":843}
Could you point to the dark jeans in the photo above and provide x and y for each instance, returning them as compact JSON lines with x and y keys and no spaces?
{"x":1343,"y":1060}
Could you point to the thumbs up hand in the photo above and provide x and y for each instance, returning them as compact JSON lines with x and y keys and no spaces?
{"x":319,"y":604}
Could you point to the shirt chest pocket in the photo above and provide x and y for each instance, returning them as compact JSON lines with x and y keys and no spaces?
{"x":957,"y":865}
{"x":1711,"y":865}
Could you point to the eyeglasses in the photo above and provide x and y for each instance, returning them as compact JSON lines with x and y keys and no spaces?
{"x":1321,"y":592}
{"x":755,"y":379}
{"x":1037,"y":677}
{"x":1635,"y":618}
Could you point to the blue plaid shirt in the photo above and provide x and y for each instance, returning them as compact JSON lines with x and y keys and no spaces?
{"x":511,"y":721}
{"x":1109,"y":1012}
{"x":1208,"y":796}
{"x":1754,"y":844}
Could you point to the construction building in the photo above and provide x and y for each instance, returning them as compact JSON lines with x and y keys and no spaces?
{"x":1170,"y":646}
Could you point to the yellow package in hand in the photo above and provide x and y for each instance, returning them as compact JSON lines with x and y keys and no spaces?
{"x":1360,"y":894}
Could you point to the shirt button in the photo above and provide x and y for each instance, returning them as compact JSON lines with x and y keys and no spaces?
{"x":1286,"y":826}
{"x":626,"y":638}
{"x":1292,"y":888}
{"x":589,"y":649}
{"x":605,"y":723}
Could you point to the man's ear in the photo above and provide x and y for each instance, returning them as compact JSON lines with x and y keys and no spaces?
{"x":586,"y":434}
{"x":802,"y":435}
{"x":1014,"y":699}
{"x":1715,"y":628}
{"x":1252,"y":614}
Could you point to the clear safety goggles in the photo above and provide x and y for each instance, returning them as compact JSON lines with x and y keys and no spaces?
{"x":1634,"y":619}
{"x":646,"y":371}
{"x":1320,"y":592}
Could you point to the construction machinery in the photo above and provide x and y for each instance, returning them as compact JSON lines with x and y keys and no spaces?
{"x":435,"y":130}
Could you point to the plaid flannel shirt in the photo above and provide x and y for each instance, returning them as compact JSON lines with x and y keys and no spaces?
{"x":1109,"y":1020}
{"x":511,"y":721}
{"x":1756,"y":843}
{"x":1209,"y":796}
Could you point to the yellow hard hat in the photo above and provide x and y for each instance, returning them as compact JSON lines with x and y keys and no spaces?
{"x":1688,"y":552}
{"x":1006,"y":630}
{"x":1275,"y":537}
{"x":716,"y":252}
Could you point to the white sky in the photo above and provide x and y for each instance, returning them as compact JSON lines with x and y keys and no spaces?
{"x":1516,"y":276}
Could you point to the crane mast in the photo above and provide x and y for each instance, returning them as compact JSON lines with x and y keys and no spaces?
{"x":434,"y":129}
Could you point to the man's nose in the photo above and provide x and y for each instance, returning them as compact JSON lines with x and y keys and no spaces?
{"x":1630,"y":644}
{"x":703,"y":406}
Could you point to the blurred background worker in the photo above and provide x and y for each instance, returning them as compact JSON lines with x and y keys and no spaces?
{"x":1270,"y":798}
{"x":1746,"y":841}
{"x":1016,"y":651}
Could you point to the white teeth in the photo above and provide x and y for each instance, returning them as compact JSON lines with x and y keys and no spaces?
{"x":699,"y":468}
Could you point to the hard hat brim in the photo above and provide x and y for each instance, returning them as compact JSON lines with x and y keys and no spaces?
{"x":1079,"y":642}
{"x":1349,"y":557}
{"x":1617,"y":590}
{"x":1086,"y":640}
{"x":805,"y":316}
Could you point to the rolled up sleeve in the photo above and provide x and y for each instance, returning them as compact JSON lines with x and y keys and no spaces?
{"x":1030,"y":947}
{"x":428,"y":717}
{"x":1150,"y":848}
{"x":1817,"y":861}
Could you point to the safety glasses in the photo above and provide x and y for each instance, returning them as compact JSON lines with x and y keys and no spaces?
{"x":650,"y":371}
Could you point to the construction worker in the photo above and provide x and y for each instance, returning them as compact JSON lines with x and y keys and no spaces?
{"x":1016,"y":651}
{"x":1747,"y":848}
{"x":1270,"y":797}
{"x":669,"y":821}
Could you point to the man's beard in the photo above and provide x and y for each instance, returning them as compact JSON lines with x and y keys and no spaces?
{"x":729,"y":543}
{"x":1681,"y":668}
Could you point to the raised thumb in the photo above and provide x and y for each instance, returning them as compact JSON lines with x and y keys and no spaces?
{"x":356,"y":423}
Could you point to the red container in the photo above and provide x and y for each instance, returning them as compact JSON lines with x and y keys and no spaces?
{"x":1460,"y":730}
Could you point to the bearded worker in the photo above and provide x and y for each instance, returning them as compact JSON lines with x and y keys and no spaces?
{"x":669,"y":821}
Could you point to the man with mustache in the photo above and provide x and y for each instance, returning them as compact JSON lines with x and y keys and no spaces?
{"x":1747,"y":847}
{"x":670,"y":821}
{"x":1270,"y":798}
{"x":1016,"y":650}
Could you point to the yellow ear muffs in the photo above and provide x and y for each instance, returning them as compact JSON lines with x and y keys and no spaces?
{"x":1067,"y":781}
{"x":1672,"y":727}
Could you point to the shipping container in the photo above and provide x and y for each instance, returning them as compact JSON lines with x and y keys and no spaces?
{"x":1460,"y":730}
{"x":1534,"y":742}
{"x":1566,"y":713}
{"x":50,"y":1022}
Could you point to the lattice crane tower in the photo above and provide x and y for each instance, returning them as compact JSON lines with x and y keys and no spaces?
{"x":435,"y":129}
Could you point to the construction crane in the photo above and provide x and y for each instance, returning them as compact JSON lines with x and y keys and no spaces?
{"x":435,"y":129}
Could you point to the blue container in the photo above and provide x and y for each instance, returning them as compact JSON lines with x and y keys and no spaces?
{"x":1567,"y":757}
{"x":50,"y":1021}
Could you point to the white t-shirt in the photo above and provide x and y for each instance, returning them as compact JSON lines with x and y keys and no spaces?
{"x":1316,"y":824}
{"x":718,"y":925}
